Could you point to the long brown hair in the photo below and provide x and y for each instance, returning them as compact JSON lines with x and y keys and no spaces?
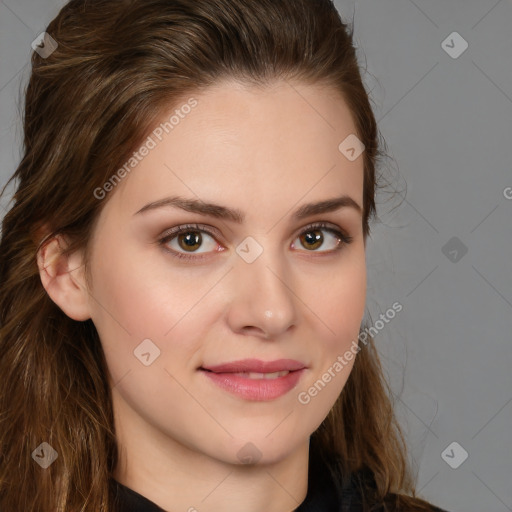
{"x":118,"y":65}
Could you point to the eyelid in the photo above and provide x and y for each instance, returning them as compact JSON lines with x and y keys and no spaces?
{"x":212,"y":231}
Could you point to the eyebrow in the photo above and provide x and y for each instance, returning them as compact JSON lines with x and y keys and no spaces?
{"x":236,"y":215}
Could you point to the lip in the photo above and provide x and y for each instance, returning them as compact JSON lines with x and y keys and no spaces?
{"x":256,"y":366}
{"x":226,"y":376}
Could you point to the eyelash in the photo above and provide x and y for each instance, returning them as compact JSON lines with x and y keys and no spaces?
{"x":343,"y":238}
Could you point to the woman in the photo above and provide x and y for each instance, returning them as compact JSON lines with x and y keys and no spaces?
{"x":183,"y":268}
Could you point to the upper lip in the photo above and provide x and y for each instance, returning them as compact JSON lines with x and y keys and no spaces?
{"x":256,"y":366}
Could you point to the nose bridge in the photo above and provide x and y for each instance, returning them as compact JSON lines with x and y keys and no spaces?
{"x":262,"y":292}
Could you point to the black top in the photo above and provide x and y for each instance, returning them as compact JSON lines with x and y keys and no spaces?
{"x":325,"y":493}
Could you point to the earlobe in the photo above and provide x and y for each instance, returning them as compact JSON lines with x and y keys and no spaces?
{"x":63,"y":279}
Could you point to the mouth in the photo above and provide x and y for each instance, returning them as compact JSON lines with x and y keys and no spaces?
{"x":255,"y":375}
{"x":253,"y":379}
{"x":256,"y":366}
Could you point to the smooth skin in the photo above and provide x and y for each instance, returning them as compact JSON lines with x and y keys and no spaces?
{"x":265,"y":152}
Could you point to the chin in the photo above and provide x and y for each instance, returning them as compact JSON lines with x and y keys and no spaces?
{"x":261,"y":450}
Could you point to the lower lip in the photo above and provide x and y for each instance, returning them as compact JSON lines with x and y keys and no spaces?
{"x":255,"y":389}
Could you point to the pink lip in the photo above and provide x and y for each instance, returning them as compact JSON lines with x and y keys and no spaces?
{"x":224,"y":376}
{"x":256,"y":366}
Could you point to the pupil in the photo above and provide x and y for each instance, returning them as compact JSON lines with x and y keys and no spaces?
{"x":191,"y":239}
{"x":314,"y":239}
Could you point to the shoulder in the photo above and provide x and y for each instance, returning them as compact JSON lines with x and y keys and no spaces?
{"x":405,"y":503}
{"x":362,"y":488}
{"x":357,"y":491}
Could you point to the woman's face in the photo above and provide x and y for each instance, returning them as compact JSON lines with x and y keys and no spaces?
{"x":252,"y":279}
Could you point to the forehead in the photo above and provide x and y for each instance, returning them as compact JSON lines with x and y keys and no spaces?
{"x":247,"y":146}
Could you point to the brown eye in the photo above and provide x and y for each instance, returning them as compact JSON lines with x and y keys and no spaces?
{"x":312,"y":239}
{"x":190,"y":240}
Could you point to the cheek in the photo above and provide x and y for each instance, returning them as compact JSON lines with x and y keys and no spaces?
{"x":340,"y":308}
{"x":341,"y":311}
{"x":135,"y":289}
{"x":339,"y":301}
{"x":134,"y":300}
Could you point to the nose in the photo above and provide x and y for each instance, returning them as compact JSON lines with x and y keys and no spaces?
{"x":262,"y":299}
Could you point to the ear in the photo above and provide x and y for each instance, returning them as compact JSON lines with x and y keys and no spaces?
{"x":63,"y":278}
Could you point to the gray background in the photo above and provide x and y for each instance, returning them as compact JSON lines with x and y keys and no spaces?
{"x":448,"y":124}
